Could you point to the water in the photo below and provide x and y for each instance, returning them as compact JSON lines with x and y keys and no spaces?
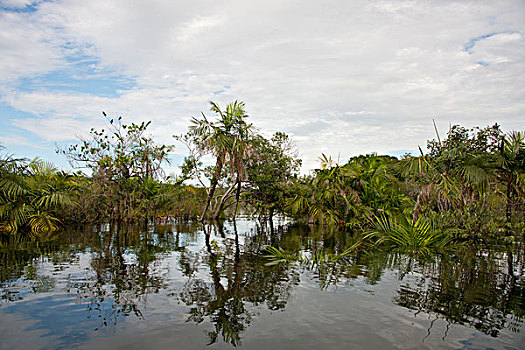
{"x":188,"y":286}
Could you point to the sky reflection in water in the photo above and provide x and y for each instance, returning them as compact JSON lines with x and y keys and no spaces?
{"x":186,"y":286}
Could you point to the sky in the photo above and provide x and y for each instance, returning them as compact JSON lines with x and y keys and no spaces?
{"x":341,"y":77}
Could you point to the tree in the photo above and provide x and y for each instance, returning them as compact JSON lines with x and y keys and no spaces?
{"x":271,"y":170}
{"x":457,"y":171}
{"x":511,"y":168}
{"x":123,"y":160}
{"x":228,"y":140}
{"x":121,"y":151}
{"x":347,"y":194}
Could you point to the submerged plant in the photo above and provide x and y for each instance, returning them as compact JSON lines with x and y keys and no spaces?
{"x":417,"y":235}
{"x":279,"y":255}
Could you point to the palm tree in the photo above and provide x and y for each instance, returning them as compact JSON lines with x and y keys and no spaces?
{"x":227,"y":139}
{"x":347,"y":193}
{"x":416,"y":236}
{"x":31,"y":194}
{"x":323,"y":195}
{"x":457,"y":171}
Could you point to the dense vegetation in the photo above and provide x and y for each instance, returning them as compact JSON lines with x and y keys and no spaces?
{"x":469,"y":186}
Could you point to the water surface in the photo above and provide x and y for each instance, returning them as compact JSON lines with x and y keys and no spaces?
{"x":189,"y":286}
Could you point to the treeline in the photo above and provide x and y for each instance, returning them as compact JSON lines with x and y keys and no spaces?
{"x":469,"y":185}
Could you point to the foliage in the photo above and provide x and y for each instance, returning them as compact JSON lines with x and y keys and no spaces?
{"x":228,"y":140}
{"x":271,"y":170}
{"x":32,"y":194}
{"x":317,"y":258}
{"x":121,"y":151}
{"x":125,"y":166}
{"x":457,"y":170}
{"x":418,"y":236}
{"x":471,"y":183}
{"x":463,"y":177}
{"x":346,"y":194}
{"x":511,"y":169}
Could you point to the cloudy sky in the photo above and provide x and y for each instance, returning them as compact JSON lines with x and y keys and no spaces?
{"x":342,"y":77}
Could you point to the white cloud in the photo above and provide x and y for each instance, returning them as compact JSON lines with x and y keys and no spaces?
{"x":16,"y":140}
{"x":25,"y":49}
{"x":54,"y":129}
{"x":197,"y":26}
{"x":342,"y":77}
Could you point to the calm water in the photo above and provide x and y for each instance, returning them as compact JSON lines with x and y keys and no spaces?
{"x":188,"y":286}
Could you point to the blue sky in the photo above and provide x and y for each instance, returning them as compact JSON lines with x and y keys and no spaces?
{"x":342,"y":78}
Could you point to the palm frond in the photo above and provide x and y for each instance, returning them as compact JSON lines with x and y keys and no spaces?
{"x":419,"y":235}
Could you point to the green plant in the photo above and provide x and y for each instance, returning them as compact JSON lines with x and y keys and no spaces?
{"x":316,"y":258}
{"x":126,"y":166}
{"x":228,"y":140}
{"x":32,"y":195}
{"x":419,"y":235}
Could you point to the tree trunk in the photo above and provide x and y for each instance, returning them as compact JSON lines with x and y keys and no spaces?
{"x":417,"y":206}
{"x":213,"y":185}
{"x":222,"y":201}
{"x":237,"y":195}
{"x":508,"y":208}
{"x":270,"y":219}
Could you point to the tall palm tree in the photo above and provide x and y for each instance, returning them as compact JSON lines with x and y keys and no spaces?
{"x":227,"y":138}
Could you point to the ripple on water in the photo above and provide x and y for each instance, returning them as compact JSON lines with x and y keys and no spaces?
{"x":169,"y":289}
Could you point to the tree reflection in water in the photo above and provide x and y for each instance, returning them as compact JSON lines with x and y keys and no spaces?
{"x":238,"y":277}
{"x":122,"y":262}
{"x":223,"y":279}
{"x":482,"y":289}
{"x":479,"y":288}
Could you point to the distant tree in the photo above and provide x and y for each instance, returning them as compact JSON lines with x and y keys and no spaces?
{"x":457,"y":170}
{"x":228,"y":140}
{"x":271,"y":170}
{"x":123,"y":160}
